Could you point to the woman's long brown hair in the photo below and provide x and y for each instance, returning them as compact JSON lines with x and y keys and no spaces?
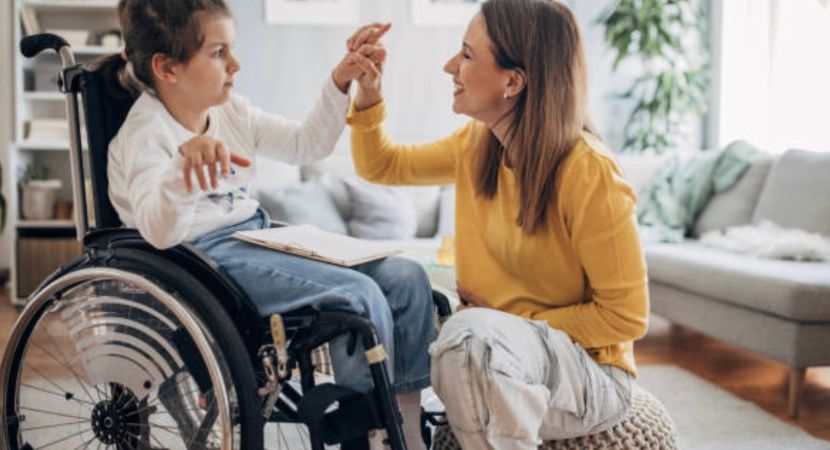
{"x":542,"y":38}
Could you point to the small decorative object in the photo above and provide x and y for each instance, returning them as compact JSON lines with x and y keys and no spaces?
{"x":444,"y":12}
{"x":37,"y":193}
{"x":311,"y":12}
{"x":111,"y":38}
{"x":63,"y":210}
{"x":445,"y":255}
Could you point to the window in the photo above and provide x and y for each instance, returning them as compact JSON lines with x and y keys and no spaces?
{"x":775,"y":74}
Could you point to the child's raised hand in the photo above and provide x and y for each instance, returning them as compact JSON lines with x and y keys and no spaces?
{"x":368,"y":58}
{"x":365,"y":56}
{"x":203,"y":152}
{"x":367,"y":34}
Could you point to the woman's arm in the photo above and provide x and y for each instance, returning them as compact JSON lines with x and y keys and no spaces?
{"x":379,"y":160}
{"x":599,"y":211}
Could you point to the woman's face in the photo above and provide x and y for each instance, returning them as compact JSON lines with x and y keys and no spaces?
{"x":480,"y":84}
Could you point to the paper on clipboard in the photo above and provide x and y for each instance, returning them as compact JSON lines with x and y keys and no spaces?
{"x":311,"y":242}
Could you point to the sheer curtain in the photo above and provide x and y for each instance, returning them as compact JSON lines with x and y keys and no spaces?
{"x":775,"y":73}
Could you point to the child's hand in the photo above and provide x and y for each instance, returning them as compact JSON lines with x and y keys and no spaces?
{"x":367,"y":59}
{"x":204,"y":152}
{"x":365,"y":56}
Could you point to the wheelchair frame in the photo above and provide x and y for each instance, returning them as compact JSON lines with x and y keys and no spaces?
{"x":280,"y":342}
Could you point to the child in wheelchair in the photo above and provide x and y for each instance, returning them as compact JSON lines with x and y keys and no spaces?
{"x":180,"y":168}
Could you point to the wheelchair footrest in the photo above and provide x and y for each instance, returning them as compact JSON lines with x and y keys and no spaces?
{"x":354,"y":417}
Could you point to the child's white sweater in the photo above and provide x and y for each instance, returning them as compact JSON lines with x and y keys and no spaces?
{"x":146,"y":183}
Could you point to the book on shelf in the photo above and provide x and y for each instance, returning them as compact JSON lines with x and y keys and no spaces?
{"x":311,"y":242}
{"x":50,"y":130}
{"x":28,"y":18}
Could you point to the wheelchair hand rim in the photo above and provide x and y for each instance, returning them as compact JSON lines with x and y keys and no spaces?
{"x":39,"y":299}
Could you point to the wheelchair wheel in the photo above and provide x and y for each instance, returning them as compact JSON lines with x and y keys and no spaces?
{"x":121,"y":359}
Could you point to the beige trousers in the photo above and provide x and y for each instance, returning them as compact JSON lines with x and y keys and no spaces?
{"x":508,"y":383}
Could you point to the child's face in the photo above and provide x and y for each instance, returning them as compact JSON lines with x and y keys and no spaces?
{"x":207,"y":79}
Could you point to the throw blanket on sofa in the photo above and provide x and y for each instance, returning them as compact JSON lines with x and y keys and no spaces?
{"x":669,"y":205}
{"x":768,"y":240}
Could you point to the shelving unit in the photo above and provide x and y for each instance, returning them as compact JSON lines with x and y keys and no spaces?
{"x":40,"y":246}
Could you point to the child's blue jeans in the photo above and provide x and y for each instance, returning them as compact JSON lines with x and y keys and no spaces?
{"x":393,"y":293}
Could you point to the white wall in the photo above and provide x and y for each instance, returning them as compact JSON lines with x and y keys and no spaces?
{"x":284,"y":66}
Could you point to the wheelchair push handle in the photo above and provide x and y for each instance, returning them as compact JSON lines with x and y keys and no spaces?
{"x":31,"y":46}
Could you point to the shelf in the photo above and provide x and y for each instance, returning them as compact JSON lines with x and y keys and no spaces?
{"x":55,"y":223}
{"x":71,"y":5}
{"x":44,"y":96}
{"x":95,"y":50}
{"x":44,"y":146}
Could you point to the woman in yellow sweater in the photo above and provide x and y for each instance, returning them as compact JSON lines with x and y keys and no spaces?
{"x":547,"y":247}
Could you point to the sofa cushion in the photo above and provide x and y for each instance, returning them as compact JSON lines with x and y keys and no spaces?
{"x":735,"y":205}
{"x":336,"y":169}
{"x":795,"y":290}
{"x":303,"y":203}
{"x":795,"y":193}
{"x":380,"y":212}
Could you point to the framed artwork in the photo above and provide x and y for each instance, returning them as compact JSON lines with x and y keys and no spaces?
{"x":444,"y":12}
{"x":305,"y":12}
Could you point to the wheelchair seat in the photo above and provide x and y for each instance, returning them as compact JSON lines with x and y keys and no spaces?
{"x":132,"y":347}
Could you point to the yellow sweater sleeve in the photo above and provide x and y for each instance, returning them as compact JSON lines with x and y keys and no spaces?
{"x":379,"y":160}
{"x":598,"y":207}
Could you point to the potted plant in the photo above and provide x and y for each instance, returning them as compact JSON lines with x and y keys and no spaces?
{"x":667,"y":39}
{"x":37,"y":192}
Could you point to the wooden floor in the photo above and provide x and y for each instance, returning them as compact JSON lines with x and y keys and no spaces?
{"x":746,"y":375}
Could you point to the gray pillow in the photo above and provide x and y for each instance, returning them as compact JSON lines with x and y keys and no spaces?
{"x":735,"y":205}
{"x":795,"y":193}
{"x":446,"y":212}
{"x":380,"y":212}
{"x":305,"y":203}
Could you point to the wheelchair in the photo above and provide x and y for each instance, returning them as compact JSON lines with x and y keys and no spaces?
{"x":133,"y":348}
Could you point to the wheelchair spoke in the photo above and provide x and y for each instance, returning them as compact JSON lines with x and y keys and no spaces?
{"x":50,"y":412}
{"x":84,"y":445}
{"x":165,"y":390}
{"x":63,"y":439}
{"x":53,"y":383}
{"x":67,"y":367}
{"x":57,"y":425}
{"x":57,"y":394}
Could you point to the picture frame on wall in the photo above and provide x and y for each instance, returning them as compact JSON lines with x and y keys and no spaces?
{"x":312,"y":12}
{"x":444,"y":12}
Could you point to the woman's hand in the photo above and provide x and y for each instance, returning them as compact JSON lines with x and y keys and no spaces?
{"x":368,"y":92}
{"x":202,"y":153}
{"x":468,"y":299}
{"x":365,"y":57}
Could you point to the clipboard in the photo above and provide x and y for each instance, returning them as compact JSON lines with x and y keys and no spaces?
{"x":311,"y":242}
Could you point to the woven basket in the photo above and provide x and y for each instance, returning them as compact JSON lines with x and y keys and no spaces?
{"x":646,"y":427}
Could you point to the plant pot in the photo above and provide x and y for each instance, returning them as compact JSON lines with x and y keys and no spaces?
{"x":37,"y":198}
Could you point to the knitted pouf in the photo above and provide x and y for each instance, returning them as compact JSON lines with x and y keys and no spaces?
{"x":646,"y":426}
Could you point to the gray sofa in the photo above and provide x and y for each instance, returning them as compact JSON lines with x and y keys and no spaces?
{"x":778,"y":308}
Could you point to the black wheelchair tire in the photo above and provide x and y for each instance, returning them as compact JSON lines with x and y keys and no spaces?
{"x":210,"y":310}
{"x":203,"y":305}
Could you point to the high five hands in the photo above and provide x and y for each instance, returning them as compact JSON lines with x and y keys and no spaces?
{"x":206,"y":159}
{"x":368,"y":80}
{"x":364,"y":58}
